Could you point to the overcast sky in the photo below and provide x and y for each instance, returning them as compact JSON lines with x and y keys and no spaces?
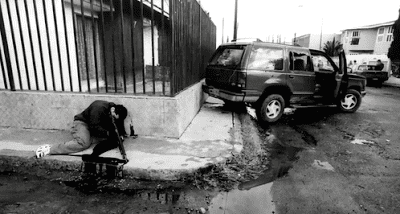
{"x":263,"y":18}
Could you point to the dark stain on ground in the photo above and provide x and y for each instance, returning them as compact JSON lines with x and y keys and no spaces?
{"x":283,"y":152}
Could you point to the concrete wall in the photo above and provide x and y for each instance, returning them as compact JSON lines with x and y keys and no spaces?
{"x":151,"y":116}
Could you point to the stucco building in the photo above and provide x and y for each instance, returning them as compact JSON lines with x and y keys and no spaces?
{"x":370,"y":39}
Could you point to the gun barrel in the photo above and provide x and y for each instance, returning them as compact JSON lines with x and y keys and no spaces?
{"x":120,"y":143}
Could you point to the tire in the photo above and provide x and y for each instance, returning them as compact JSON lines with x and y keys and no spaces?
{"x":271,"y":109}
{"x":350,"y":101}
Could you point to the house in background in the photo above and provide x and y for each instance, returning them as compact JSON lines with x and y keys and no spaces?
{"x":370,"y":39}
{"x":367,"y":44}
{"x":315,"y":41}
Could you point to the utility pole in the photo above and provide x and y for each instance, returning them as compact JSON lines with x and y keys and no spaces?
{"x":235,"y":22}
{"x":222,"y":30}
{"x":320,"y":36}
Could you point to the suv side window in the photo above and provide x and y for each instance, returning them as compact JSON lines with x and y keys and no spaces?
{"x":263,"y":58}
{"x":299,"y":61}
{"x":321,"y":63}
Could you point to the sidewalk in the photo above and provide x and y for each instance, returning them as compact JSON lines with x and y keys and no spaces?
{"x":392,"y":81}
{"x":213,"y":135}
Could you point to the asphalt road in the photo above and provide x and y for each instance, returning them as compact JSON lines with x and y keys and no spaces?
{"x":319,"y":161}
{"x":346,"y":163}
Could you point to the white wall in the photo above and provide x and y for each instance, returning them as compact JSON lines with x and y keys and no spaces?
{"x":382,"y":47}
{"x":147,"y":46}
{"x":367,"y":40}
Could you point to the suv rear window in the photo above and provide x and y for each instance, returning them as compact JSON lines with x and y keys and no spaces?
{"x":262,"y":58}
{"x":228,"y":56}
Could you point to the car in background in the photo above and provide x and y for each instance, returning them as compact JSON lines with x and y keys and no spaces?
{"x":371,"y":73}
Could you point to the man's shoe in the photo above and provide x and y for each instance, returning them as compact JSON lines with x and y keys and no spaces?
{"x":43,"y":151}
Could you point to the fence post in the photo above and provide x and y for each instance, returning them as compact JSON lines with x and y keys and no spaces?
{"x":6,"y":51}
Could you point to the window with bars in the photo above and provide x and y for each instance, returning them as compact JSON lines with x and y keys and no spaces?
{"x":389,"y":38}
{"x":355,"y":41}
{"x":356,"y":33}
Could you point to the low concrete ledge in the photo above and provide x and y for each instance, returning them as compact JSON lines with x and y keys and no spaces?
{"x":150,"y":116}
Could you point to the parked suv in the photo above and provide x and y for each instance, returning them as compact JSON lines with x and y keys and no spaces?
{"x":270,"y":77}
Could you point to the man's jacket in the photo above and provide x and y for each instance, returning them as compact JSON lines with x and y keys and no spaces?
{"x":98,"y":118}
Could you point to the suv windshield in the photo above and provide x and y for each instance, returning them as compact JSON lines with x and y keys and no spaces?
{"x":228,"y":56}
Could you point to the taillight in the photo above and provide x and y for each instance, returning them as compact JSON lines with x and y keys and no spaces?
{"x":241,"y":79}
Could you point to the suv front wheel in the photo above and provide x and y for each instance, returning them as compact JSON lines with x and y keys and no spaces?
{"x":271,"y":108}
{"x":350,"y":102}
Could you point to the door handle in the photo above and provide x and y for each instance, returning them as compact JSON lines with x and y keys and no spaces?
{"x":291,"y":77}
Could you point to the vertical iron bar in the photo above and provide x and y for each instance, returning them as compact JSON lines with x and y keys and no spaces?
{"x":14,"y":45}
{"x":143,"y":65}
{"x":152,"y":48}
{"x":181,"y":46}
{"x":85,"y":46}
{"x":40,"y":46}
{"x":200,"y":39}
{"x":58,"y":47}
{"x":31,"y":43}
{"x":177,"y":45}
{"x":122,"y":45}
{"x":103,"y":39}
{"x":133,"y":48}
{"x":94,"y":47}
{"x":48,"y":45}
{"x":172,"y":59}
{"x":163,"y":51}
{"x":67,"y":44}
{"x":113,"y":45}
{"x":23,"y":44}
{"x":76,"y":44}
{"x":3,"y":70}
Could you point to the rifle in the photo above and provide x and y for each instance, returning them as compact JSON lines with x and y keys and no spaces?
{"x":120,"y":143}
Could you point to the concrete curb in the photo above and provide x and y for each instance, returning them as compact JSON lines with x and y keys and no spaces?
{"x":12,"y":158}
{"x":392,"y":82}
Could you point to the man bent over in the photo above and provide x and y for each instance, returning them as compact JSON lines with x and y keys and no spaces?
{"x":95,"y":121}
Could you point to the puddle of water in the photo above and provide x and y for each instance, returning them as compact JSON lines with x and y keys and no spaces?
{"x":361,"y":142}
{"x":254,"y":196}
{"x":173,"y":199}
{"x":256,"y":200}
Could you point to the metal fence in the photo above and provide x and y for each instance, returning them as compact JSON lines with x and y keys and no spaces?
{"x":152,"y":47}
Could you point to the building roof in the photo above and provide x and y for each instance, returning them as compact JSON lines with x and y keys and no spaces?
{"x":371,"y":26}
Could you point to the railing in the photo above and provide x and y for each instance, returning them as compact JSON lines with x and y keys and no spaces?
{"x":152,"y":47}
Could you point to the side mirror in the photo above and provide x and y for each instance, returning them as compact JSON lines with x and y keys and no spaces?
{"x":349,"y":70}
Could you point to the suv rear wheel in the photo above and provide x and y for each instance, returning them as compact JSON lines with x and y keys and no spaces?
{"x":350,"y":102}
{"x":271,"y":108}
